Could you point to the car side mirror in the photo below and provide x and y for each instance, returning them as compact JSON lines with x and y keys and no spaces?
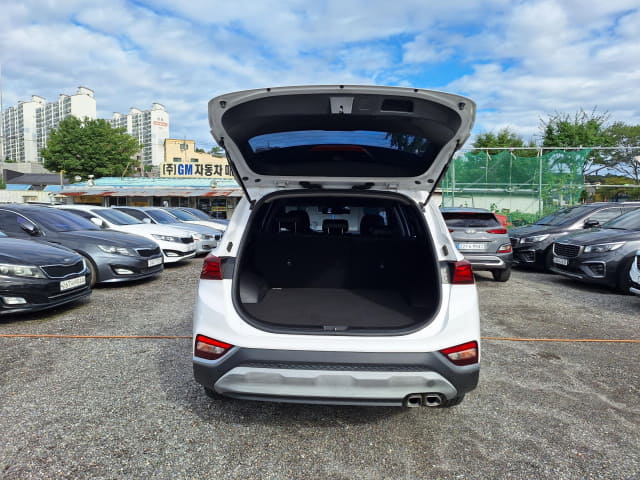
{"x":591,"y":223}
{"x":146,"y":220}
{"x":30,"y":228}
{"x":98,"y":222}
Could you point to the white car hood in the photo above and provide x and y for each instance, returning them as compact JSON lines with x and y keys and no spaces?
{"x":152,"y":228}
{"x":361,"y":137}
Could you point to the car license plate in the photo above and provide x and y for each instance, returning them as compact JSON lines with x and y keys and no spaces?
{"x":72,"y":283}
{"x":470,"y":246}
{"x":560,"y":261}
{"x":154,"y":261}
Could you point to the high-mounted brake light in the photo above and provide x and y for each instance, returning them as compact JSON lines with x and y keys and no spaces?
{"x":462,"y":273}
{"x":210,"y":349}
{"x":211,"y":268}
{"x":499,"y":231}
{"x":465,"y":354}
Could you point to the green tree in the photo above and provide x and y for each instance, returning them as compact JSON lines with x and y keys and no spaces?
{"x":89,"y":147}
{"x":505,"y":138}
{"x":217,"y":151}
{"x":626,"y":160}
{"x":582,"y":129}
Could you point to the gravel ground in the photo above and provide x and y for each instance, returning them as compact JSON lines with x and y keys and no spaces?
{"x":129,"y":408}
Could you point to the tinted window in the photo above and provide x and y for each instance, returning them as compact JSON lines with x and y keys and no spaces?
{"x":565,"y":216}
{"x":198,"y":213}
{"x":182,"y":215}
{"x":134,"y":213}
{"x":60,"y":221}
{"x":628,"y":221}
{"x":471,"y":219}
{"x":117,"y":217}
{"x":161,"y":216}
{"x":605,"y":215}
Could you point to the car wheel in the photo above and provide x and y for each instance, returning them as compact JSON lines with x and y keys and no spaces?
{"x":93,"y":271}
{"x":501,"y":275}
{"x":624,"y":280}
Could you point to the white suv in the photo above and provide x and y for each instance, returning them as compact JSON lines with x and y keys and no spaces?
{"x":337,"y":281}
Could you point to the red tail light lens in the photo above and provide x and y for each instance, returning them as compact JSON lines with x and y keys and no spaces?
{"x":462,"y":273}
{"x":210,"y":349}
{"x":211,"y":268}
{"x":499,"y":231}
{"x":506,"y":248}
{"x":465,"y":354}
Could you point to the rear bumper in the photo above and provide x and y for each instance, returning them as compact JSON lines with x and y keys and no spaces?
{"x":490,"y":261}
{"x":342,"y":378}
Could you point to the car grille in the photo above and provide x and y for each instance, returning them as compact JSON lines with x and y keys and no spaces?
{"x":186,"y":240}
{"x":62,"y":271}
{"x":148,"y":252}
{"x":566,"y":250}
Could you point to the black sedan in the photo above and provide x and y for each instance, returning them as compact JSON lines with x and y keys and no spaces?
{"x":35,"y":276}
{"x":110,"y":256}
{"x":602,"y":255}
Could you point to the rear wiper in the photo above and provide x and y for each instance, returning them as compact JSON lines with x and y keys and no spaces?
{"x":311,"y":186}
{"x":363,"y":186}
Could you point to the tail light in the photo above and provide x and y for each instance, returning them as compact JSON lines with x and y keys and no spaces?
{"x":211,"y":268}
{"x":462,"y":273}
{"x":506,"y":248}
{"x":210,"y":349}
{"x":465,"y":354}
{"x":498,"y":231}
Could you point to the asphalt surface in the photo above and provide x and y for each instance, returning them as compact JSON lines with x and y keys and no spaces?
{"x":75,"y":408}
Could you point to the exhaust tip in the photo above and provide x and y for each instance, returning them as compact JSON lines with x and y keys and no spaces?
{"x":413,"y":400}
{"x":432,"y":400}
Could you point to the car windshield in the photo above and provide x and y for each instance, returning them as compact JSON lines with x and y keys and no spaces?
{"x":161,"y":216}
{"x":628,"y":221}
{"x":198,"y":213}
{"x":182,"y":215}
{"x":61,"y":221}
{"x":565,"y":216}
{"x":117,"y":217}
{"x":470,"y":219}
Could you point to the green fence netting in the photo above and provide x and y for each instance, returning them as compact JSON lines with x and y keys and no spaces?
{"x":507,"y":183}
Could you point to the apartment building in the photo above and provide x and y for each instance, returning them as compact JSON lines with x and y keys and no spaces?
{"x":25,"y":127}
{"x":150,"y":127}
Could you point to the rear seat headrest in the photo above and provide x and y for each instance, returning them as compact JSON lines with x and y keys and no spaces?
{"x":370,"y":222}
{"x":295,"y":221}
{"x":335,"y":227}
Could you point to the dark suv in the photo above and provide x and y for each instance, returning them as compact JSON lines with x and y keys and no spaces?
{"x":602,"y":256}
{"x":532,"y":243}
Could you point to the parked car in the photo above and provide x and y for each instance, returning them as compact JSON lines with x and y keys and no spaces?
{"x":602,"y":255}
{"x":634,"y":274}
{"x":204,"y":237}
{"x":35,"y":277}
{"x":220,"y":223}
{"x":532,"y":243}
{"x":482,"y":240}
{"x":110,"y":256}
{"x":176,"y":245}
{"x":337,"y":281}
{"x":188,"y":217}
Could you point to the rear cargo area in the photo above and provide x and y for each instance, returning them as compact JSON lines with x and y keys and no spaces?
{"x":337,"y":263}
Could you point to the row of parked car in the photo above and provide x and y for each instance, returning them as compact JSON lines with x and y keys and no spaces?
{"x":51,"y":255}
{"x":596,"y":243}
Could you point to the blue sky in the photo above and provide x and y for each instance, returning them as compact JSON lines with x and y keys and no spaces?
{"x":519,"y":60}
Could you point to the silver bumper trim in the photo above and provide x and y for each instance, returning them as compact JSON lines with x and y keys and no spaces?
{"x":341,"y":386}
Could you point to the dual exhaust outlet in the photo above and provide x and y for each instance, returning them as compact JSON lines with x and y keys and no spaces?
{"x":423,"y":400}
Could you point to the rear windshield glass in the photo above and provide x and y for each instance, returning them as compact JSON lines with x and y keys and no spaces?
{"x":467,"y":220}
{"x":339,"y":140}
{"x":161,"y":216}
